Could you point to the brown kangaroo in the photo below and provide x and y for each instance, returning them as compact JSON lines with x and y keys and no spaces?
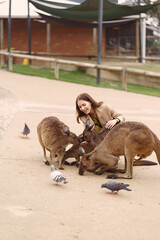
{"x":93,"y":138}
{"x":54,"y":136}
{"x":128,"y":139}
{"x":73,"y":152}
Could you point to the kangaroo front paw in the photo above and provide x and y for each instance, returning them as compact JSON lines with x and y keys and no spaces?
{"x":67,"y":163}
{"x":98,"y":173}
{"x":90,"y":170}
{"x":111,"y":170}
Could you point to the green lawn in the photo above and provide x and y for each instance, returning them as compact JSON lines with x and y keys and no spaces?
{"x":153,"y":67}
{"x":83,"y":78}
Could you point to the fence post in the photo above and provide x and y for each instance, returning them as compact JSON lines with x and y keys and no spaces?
{"x":56,"y":70}
{"x":10,"y":63}
{"x":1,"y":61}
{"x":124,"y":79}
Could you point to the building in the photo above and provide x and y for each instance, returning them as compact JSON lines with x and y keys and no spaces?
{"x":119,"y":38}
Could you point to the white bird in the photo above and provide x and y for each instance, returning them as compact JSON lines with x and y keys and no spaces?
{"x":57,"y":176}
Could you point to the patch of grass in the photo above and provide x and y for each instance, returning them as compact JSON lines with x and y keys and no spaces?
{"x":143,"y":90}
{"x":146,"y":67}
{"x":83,"y":78}
{"x":31,"y":71}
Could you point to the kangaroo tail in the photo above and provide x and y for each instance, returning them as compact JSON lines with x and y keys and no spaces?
{"x":143,"y":163}
{"x":157,"y":147}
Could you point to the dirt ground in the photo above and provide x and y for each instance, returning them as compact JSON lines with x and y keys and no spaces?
{"x":32,"y":206}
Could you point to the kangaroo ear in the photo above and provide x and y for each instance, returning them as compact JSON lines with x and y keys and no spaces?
{"x":66,"y":130}
{"x":87,"y":123}
{"x":81,"y":150}
{"x":80,"y":138}
{"x":91,"y":127}
{"x":89,"y":155}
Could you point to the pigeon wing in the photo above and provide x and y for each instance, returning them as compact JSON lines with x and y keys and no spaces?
{"x":57,"y":177}
{"x":113,"y":186}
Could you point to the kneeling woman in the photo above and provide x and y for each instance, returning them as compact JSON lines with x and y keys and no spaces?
{"x":98,"y":113}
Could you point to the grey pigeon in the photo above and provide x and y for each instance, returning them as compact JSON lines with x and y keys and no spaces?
{"x":115,"y":186}
{"x":26,"y":130}
{"x":57,"y":176}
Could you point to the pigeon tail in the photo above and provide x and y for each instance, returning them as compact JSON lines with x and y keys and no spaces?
{"x":64,"y":181}
{"x":128,"y":189}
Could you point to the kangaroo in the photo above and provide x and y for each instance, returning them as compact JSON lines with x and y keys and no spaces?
{"x":92,"y":139}
{"x":128,"y":139}
{"x":73,"y":152}
{"x":54,"y":136}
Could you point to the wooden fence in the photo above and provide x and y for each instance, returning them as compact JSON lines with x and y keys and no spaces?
{"x":122,"y":71}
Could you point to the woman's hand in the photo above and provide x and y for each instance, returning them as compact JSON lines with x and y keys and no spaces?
{"x":84,"y":143}
{"x":110,"y":124}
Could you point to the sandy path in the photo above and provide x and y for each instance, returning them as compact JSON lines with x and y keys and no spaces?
{"x":32,"y":207}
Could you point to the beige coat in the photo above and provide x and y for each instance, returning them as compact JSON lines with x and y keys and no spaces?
{"x":104,"y":114}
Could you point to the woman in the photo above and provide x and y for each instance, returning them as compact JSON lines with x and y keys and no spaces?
{"x":98,"y":112}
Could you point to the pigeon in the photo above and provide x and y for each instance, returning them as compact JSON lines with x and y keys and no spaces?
{"x":115,"y":186}
{"x":26,"y":130}
{"x":56,"y":176}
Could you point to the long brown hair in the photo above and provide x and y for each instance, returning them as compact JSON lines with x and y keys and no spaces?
{"x":88,"y":98}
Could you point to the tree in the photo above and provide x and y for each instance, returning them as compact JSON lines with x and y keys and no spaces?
{"x":154,"y":12}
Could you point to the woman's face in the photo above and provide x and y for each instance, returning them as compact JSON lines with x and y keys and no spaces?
{"x":84,"y":106}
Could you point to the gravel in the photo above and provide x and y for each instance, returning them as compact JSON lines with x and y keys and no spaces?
{"x":8,"y":106}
